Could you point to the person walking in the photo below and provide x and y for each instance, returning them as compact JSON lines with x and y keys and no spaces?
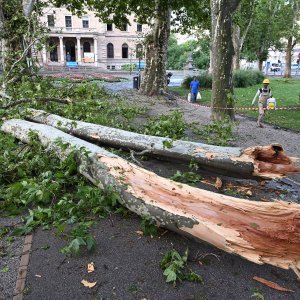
{"x":263,"y":94}
{"x":194,"y":86}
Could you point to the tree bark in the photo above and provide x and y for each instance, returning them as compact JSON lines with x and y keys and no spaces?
{"x":28,"y":6}
{"x":222,"y":54}
{"x":236,"y":38}
{"x":256,"y":161}
{"x":288,"y":58}
{"x":266,"y":232}
{"x":154,"y":79}
{"x":260,"y":65}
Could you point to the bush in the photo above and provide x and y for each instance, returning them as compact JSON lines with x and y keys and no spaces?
{"x":204,"y":78}
{"x":245,"y":78}
{"x":127,"y":67}
{"x":241,"y":78}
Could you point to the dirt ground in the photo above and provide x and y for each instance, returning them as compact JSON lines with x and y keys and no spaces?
{"x":127,"y":264}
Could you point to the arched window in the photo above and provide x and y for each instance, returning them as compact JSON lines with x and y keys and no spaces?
{"x":110,"y":50}
{"x":139,"y":51}
{"x":124,"y":51}
{"x":86,"y":47}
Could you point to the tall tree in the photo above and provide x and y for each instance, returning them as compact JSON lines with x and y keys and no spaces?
{"x":154,"y":82}
{"x":291,"y":32}
{"x":20,"y":32}
{"x":265,"y":30}
{"x":222,"y":55}
{"x":241,"y":24}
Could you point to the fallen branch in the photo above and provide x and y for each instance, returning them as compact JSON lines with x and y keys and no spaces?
{"x":259,"y":161}
{"x":262,"y":232}
{"x":42,"y":99}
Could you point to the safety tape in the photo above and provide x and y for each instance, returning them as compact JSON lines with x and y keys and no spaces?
{"x":242,"y":108}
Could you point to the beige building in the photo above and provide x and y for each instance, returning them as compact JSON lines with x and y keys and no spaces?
{"x":87,"y":41}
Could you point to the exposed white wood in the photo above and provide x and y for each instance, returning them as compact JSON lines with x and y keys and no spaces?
{"x":235,"y":161}
{"x":262,"y":232}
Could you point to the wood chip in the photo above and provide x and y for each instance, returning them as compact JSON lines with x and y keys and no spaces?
{"x":218,"y":183}
{"x":139,"y":232}
{"x":88,"y":284}
{"x":272,"y":284}
{"x":90,"y":267}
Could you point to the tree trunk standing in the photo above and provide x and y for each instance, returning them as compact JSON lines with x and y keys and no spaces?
{"x":288,"y":58}
{"x":262,"y":232}
{"x":222,"y":55}
{"x":291,"y":42}
{"x":260,"y":64}
{"x":2,"y":41}
{"x":28,"y":6}
{"x":154,"y":79}
{"x":236,"y":39}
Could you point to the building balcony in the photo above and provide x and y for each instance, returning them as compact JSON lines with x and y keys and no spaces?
{"x":62,"y":30}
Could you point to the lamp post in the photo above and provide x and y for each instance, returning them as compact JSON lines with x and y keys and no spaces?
{"x":130,"y":68}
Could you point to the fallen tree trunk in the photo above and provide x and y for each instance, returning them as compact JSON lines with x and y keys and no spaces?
{"x":262,"y":232}
{"x":259,"y":161}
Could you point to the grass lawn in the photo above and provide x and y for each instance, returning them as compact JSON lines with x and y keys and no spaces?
{"x":286,"y":92}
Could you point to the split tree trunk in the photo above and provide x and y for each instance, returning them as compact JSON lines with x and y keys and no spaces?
{"x":267,"y":162}
{"x":154,"y":78}
{"x":267,"y":232}
{"x":222,"y":55}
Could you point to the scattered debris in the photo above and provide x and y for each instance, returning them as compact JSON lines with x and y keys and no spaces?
{"x":218,"y":184}
{"x":272,"y":284}
{"x":91,"y":267}
{"x":88,"y":284}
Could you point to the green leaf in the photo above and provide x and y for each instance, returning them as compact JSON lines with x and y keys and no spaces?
{"x":170,"y":274}
{"x":4,"y":269}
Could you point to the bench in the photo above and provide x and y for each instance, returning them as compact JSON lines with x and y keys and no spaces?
{"x":72,"y":64}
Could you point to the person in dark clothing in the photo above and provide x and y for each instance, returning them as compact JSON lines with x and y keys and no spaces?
{"x":194,"y":86}
{"x":68,"y":57}
{"x":168,"y":77}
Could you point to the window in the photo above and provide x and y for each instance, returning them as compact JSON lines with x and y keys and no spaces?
{"x":68,"y":20}
{"x":50,"y":20}
{"x":109,"y":27}
{"x":124,"y":51}
{"x":86,"y":47}
{"x":110,"y":50}
{"x":139,"y":27}
{"x":123,"y":27}
{"x":139,"y":51}
{"x":85,"y":22}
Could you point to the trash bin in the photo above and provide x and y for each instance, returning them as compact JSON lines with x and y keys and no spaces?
{"x":136,"y":82}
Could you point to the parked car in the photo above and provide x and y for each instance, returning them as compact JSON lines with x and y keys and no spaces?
{"x":275,"y":67}
{"x":295,"y":67}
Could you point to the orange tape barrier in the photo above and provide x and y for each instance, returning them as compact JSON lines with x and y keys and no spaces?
{"x":245,"y":108}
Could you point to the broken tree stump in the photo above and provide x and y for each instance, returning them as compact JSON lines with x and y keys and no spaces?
{"x":262,"y":232}
{"x":259,"y":161}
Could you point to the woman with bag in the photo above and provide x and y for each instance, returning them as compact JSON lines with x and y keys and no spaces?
{"x":194,"y":86}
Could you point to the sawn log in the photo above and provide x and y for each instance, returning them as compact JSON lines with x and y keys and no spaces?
{"x":262,"y":232}
{"x":259,"y":161}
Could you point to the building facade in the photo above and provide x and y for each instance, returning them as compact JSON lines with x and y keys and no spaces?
{"x":87,"y":41}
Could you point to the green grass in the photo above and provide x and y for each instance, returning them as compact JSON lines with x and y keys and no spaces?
{"x":286,"y":92}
